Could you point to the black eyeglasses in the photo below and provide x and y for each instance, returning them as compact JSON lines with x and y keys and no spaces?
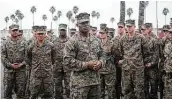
{"x":142,"y":29}
{"x":120,"y":27}
{"x":165,"y":30}
{"x":40,"y":33}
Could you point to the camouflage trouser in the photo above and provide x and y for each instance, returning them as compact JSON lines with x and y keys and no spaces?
{"x":41,"y":87}
{"x":167,"y":86}
{"x":88,"y":92}
{"x":151,"y":82}
{"x":118,"y":83}
{"x":58,"y":80}
{"x":108,"y":85}
{"x":133,"y":84}
{"x":14,"y":81}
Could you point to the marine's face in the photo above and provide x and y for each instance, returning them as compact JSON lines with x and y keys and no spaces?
{"x":84,"y":26}
{"x":14,"y":33}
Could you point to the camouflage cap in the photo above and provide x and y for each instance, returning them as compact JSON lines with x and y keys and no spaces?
{"x":103,"y":25}
{"x":42,"y":29}
{"x":14,"y":27}
{"x":166,"y":27}
{"x":83,"y":17}
{"x":111,"y":29}
{"x":72,"y":30}
{"x":35,"y":28}
{"x":130,"y":22}
{"x":62,"y":26}
{"x":94,"y":28}
{"x":121,"y":23}
{"x":148,"y":25}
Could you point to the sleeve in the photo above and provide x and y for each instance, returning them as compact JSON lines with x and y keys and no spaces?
{"x":4,"y":57}
{"x":53,"y":54}
{"x":29,"y":56}
{"x":102,"y":55}
{"x":156,"y":53}
{"x":70,"y":60}
{"x":144,"y":49}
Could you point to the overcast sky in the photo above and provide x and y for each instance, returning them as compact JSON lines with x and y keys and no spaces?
{"x":107,"y":9}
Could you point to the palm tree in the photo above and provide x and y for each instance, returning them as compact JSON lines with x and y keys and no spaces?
{"x":129,"y":12}
{"x":75,"y":10}
{"x":122,"y":11}
{"x":165,"y":12}
{"x":20,"y":18}
{"x":52,"y":10}
{"x":73,"y":21}
{"x":16,"y":20}
{"x":44,"y":17}
{"x":17,"y":13}
{"x":69,"y":16}
{"x":93,"y":14}
{"x":55,"y":18}
{"x":12,"y":17}
{"x":112,"y":19}
{"x":6,"y":20}
{"x":146,"y":4}
{"x":97,"y":15}
{"x":33,"y":10}
{"x":142,"y":6}
{"x":59,"y":14}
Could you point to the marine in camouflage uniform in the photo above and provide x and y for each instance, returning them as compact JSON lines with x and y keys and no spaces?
{"x":151,"y":62}
{"x":162,"y":59}
{"x":166,"y":69}
{"x":93,"y":31}
{"x":13,"y":56}
{"x":40,"y":57}
{"x":72,"y":32}
{"x":51,"y":37}
{"x":111,"y":32}
{"x":84,"y":56}
{"x":33,"y":38}
{"x":108,"y":72}
{"x":117,"y":56}
{"x":132,"y":48}
{"x":60,"y":72}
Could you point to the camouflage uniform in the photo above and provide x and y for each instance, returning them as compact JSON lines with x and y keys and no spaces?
{"x":14,"y":79}
{"x":78,"y":51}
{"x":111,"y":32}
{"x":132,"y":66}
{"x":108,"y":73}
{"x":72,"y":32}
{"x":116,"y":52}
{"x":151,"y":73}
{"x":162,"y":60}
{"x":61,"y":73}
{"x":41,"y":59}
{"x":166,"y":44}
{"x":51,"y":37}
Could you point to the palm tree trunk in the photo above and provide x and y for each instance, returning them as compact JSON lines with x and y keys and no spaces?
{"x":52,"y":22}
{"x":68,"y":27}
{"x":21,"y":24}
{"x":141,"y":15}
{"x":122,"y":11}
{"x":145,"y":15}
{"x":165,"y":19}
{"x":157,"y":16}
{"x":44,"y":22}
{"x":97,"y":22}
{"x":33,"y":19}
{"x":6,"y":26}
